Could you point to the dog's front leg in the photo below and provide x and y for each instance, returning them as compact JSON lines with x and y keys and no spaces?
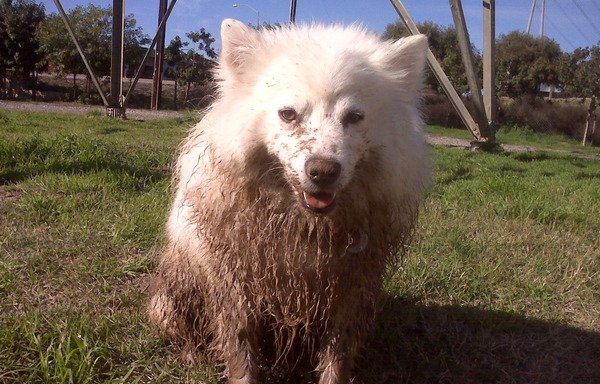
{"x":240,"y":364}
{"x":336,"y":359}
{"x":236,"y":340}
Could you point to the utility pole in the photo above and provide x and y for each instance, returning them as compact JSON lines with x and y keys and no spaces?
{"x":543,"y":17}
{"x":65,"y":18}
{"x":293,"y":11}
{"x":158,"y":58}
{"x":138,"y":73}
{"x":464,"y":44}
{"x":115,"y":107}
{"x":237,"y":5}
{"x":531,"y":12}
{"x":489,"y":60}
{"x":437,"y":70}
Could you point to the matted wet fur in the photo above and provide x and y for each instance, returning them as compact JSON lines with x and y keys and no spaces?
{"x":262,"y":264}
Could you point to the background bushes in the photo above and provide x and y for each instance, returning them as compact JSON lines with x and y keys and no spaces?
{"x":562,"y":116}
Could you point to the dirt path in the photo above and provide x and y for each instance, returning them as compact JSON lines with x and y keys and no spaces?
{"x":133,"y":114}
{"x":145,"y":114}
{"x":463,"y":143}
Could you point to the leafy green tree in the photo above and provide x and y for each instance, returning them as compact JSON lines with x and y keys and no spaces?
{"x":19,"y":20}
{"x":174,"y":56}
{"x":193,"y":65}
{"x":443,"y":42}
{"x":580,"y":71}
{"x":93,"y":27}
{"x":524,"y":62}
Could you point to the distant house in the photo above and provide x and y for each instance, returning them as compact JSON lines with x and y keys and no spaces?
{"x":549,"y":90}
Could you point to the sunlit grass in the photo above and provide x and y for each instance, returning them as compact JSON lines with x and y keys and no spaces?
{"x":501,"y":283}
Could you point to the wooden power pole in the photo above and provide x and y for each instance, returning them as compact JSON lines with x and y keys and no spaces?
{"x":464,"y":44}
{"x":489,"y":63}
{"x":158,"y":58}
{"x":115,"y":106}
{"x":437,"y":70}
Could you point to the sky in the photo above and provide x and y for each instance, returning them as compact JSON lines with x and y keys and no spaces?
{"x":572,"y":23}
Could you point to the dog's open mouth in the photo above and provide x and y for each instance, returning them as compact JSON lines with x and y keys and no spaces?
{"x":319,"y":202}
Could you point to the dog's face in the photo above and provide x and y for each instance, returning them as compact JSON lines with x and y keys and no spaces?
{"x":317,"y":128}
{"x":322,"y":108}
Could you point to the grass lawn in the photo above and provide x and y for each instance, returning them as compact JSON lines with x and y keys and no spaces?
{"x":501,"y":285}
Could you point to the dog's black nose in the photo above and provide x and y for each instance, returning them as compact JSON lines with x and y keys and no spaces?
{"x":322,"y":172}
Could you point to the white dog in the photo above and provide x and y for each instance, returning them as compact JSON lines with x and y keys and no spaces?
{"x":293,"y":193}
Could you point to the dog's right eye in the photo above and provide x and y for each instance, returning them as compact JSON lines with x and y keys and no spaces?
{"x":288,"y":114}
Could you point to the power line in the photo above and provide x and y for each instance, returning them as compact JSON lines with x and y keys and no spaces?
{"x":586,"y":17}
{"x":565,"y":38}
{"x":596,"y":5}
{"x":572,"y":21}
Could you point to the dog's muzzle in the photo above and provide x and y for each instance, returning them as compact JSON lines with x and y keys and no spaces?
{"x":323,"y":174}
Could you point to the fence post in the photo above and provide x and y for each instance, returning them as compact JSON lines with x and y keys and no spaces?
{"x":590,"y":116}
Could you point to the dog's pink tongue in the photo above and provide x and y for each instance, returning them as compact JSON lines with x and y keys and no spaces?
{"x":319,"y":200}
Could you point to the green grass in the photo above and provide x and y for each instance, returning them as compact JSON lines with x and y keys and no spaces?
{"x":502,"y":282}
{"x":521,"y":136}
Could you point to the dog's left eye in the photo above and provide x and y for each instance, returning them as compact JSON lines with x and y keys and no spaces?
{"x":288,"y":114}
{"x":352,"y":117}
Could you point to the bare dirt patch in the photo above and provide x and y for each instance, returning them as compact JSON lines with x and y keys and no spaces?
{"x":9,"y":195}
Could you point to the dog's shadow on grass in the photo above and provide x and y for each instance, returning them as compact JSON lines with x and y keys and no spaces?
{"x":455,"y":344}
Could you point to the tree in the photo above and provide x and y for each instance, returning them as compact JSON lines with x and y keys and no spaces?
{"x":19,"y":20}
{"x":443,"y":42}
{"x":194,"y":65}
{"x":93,"y":27}
{"x":580,"y":71}
{"x":174,"y":56}
{"x":524,"y":62}
{"x":580,"y":76}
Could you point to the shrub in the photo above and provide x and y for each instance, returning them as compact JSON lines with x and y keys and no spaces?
{"x":564,"y":117}
{"x":437,"y":110}
{"x":544,"y":116}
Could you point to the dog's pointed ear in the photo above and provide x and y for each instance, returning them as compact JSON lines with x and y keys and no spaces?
{"x":407,"y":60}
{"x":237,"y":42}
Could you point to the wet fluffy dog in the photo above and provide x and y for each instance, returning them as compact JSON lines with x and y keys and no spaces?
{"x":293,"y":193}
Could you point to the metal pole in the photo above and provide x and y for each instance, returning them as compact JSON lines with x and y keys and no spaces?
{"x":293,"y":11}
{"x":158,"y":59}
{"x":236,"y":5}
{"x":533,"y":2}
{"x":464,"y":44}
{"x":435,"y":66}
{"x":138,"y":73}
{"x":116,"y":109}
{"x":489,"y":62}
{"x":543,"y":17}
{"x":65,"y":19}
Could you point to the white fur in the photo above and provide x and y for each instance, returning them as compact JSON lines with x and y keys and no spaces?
{"x":323,"y":73}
